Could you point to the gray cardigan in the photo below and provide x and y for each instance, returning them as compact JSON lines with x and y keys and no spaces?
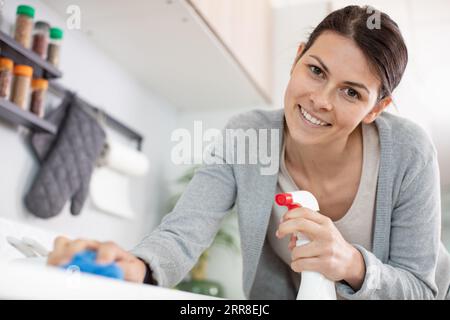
{"x":408,"y":260}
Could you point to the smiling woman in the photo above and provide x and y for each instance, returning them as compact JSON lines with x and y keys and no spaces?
{"x":341,"y":81}
{"x":375,"y":176}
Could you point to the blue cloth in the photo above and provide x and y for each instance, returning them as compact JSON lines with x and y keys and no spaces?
{"x":85,"y":261}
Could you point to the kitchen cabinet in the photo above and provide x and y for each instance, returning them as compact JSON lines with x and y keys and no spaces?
{"x":245,"y":27}
{"x":173,"y":51}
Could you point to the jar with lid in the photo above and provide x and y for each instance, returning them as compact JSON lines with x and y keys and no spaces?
{"x":39,"y":88}
{"x":6,"y":67}
{"x":41,"y":35}
{"x":24,"y":25}
{"x":54,"y":48}
{"x":21,"y":85}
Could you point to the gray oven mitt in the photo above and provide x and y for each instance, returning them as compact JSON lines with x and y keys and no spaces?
{"x":42,"y":142}
{"x":67,"y":161}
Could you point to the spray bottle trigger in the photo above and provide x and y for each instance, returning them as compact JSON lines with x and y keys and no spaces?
{"x":293,"y":206}
{"x":286,"y":199}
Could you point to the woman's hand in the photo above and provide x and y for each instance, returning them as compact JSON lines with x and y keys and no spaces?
{"x":327,"y":253}
{"x":107,"y":252}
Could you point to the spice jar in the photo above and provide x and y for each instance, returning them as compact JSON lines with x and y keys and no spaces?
{"x":21,"y":85}
{"x":24,"y":25}
{"x":54,"y":48}
{"x":39,"y":89}
{"x":41,"y":34}
{"x":6,"y":66}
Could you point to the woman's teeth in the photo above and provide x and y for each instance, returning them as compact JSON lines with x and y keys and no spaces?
{"x":311,"y":119}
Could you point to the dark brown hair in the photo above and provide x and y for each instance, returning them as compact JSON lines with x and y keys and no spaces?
{"x":383,"y":45}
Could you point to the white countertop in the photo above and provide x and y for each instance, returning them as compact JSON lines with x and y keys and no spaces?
{"x":37,"y":281}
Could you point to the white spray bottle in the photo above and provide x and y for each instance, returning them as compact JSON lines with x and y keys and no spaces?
{"x":314,"y":286}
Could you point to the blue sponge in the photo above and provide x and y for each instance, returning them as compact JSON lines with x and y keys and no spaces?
{"x":85,"y":261}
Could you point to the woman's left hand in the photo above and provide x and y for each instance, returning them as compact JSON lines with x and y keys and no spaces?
{"x":327,"y":252}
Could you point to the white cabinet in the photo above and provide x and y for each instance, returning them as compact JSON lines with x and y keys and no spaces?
{"x":245,"y":27}
{"x":175,"y":52}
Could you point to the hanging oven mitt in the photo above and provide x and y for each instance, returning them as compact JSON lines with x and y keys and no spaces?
{"x":67,"y":162}
{"x":41,"y":141}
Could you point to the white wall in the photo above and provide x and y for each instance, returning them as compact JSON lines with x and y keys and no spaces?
{"x":101,"y":81}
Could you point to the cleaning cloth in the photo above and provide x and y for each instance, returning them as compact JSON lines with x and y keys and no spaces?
{"x":85,"y":261}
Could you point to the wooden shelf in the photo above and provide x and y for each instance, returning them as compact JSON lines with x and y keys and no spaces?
{"x":16,"y":115}
{"x":10,"y":48}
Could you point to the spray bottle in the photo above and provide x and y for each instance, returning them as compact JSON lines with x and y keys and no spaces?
{"x":314,"y":286}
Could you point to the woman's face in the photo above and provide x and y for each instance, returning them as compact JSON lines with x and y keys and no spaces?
{"x":331,"y":90}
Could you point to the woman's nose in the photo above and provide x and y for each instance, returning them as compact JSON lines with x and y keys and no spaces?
{"x":321,"y":100}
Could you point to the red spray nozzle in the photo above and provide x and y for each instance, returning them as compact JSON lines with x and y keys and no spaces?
{"x":285,"y":199}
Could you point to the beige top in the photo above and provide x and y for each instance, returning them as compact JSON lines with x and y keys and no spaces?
{"x":356,"y":226}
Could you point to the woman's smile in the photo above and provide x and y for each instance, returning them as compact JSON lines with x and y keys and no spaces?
{"x":311,"y":120}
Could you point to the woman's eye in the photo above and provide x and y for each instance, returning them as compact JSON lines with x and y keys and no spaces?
{"x":352,"y":93}
{"x":316,"y":70}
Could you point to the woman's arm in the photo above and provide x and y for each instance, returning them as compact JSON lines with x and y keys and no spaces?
{"x":167,"y":254}
{"x":359,"y":274}
{"x":414,"y":243}
{"x":174,"y":247}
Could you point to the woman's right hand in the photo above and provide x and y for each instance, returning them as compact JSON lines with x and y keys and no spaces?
{"x":107,"y":252}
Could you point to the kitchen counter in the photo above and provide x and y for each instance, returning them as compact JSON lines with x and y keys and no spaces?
{"x":27,"y":280}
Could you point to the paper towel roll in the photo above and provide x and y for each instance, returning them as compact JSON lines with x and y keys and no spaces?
{"x":110,"y":192}
{"x":124,"y":159}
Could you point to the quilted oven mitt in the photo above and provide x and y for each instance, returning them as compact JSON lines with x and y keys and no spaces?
{"x":42,"y":142}
{"x":67,"y":162}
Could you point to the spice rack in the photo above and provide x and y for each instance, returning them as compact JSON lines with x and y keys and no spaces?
{"x":14,"y":114}
{"x":11,"y":49}
{"x":21,"y":55}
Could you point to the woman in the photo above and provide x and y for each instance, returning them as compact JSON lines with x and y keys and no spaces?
{"x":375,"y":176}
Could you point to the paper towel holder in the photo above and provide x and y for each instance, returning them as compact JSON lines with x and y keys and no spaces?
{"x":109,"y":120}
